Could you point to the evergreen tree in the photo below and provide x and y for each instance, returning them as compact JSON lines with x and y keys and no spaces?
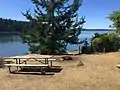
{"x":115,"y":18}
{"x":53,"y":25}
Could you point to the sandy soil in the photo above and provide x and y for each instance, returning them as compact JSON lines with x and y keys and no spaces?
{"x":98,"y":73}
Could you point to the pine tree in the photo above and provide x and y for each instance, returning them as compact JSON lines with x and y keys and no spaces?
{"x":115,"y":18}
{"x":53,"y":25}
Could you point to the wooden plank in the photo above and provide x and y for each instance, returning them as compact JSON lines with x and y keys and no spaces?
{"x":26,"y":57}
{"x":27,"y":65}
{"x":42,"y":59}
{"x":32,"y":56}
{"x":52,"y":59}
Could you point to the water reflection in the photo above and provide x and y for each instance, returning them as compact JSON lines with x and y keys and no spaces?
{"x":11,"y":45}
{"x":9,"y":38}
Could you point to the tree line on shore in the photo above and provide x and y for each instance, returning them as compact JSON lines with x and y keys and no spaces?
{"x":12,"y":26}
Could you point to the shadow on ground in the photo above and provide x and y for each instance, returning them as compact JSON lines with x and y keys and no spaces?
{"x":37,"y":71}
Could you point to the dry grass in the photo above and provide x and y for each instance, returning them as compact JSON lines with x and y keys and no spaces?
{"x":98,"y":73}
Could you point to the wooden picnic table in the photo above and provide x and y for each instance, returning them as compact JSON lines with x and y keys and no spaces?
{"x":24,"y":60}
{"x":21,"y":61}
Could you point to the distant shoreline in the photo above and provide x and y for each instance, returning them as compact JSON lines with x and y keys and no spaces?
{"x":18,"y":33}
{"x":97,"y":29}
{"x":9,"y":33}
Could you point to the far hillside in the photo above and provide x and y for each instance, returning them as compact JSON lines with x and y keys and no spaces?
{"x":11,"y":26}
{"x":8,"y":26}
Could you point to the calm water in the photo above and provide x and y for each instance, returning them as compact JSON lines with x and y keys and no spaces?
{"x":11,"y":45}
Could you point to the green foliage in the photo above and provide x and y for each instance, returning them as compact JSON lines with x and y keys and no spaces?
{"x":115,"y":18}
{"x":87,"y":49}
{"x":106,"y":42}
{"x":54,"y":24}
{"x":12,"y":26}
{"x":98,"y":44}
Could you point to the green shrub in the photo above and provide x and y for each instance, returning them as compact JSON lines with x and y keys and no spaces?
{"x":98,"y":44}
{"x":106,"y":42}
{"x":87,"y":49}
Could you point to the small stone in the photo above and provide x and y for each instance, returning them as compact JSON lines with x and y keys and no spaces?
{"x":80,"y":63}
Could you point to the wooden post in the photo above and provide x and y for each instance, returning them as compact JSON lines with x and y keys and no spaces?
{"x":79,"y":49}
{"x":104,"y":50}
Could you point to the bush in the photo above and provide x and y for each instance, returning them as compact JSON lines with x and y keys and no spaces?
{"x":87,"y":49}
{"x":106,"y":42}
{"x":97,"y":44}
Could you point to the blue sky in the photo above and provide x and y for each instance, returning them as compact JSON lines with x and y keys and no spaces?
{"x":95,"y":11}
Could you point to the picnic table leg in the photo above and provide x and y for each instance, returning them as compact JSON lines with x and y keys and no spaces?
{"x":19,"y":61}
{"x":10,"y":69}
{"x":45,"y":60}
{"x":51,"y":63}
{"x":16,"y":62}
{"x":25,"y":62}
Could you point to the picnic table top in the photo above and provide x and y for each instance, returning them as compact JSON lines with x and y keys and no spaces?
{"x":37,"y":56}
{"x":28,"y":65}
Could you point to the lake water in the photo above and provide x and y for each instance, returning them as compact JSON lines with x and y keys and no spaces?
{"x":11,"y":45}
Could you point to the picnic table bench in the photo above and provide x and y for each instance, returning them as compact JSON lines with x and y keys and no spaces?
{"x":26,"y":65}
{"x":19,"y":62}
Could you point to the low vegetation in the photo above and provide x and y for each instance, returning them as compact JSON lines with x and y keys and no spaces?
{"x":106,"y":42}
{"x":109,"y":42}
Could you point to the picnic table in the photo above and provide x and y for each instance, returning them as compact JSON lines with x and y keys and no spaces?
{"x":21,"y":61}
